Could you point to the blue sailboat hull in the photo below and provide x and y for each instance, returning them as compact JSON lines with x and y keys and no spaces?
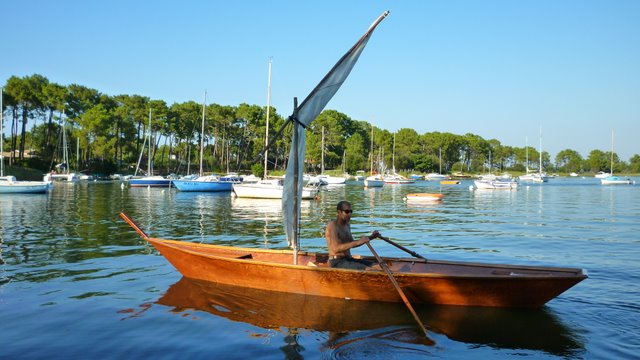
{"x":208,"y":186}
{"x":150,"y":182}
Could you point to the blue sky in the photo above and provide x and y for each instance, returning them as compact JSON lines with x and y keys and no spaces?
{"x":499,"y":69}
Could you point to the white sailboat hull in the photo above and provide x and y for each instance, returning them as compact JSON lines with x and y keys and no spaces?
{"x":9,"y":185}
{"x":269,"y":189}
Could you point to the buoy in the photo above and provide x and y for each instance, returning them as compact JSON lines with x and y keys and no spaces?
{"x":424,"y":197}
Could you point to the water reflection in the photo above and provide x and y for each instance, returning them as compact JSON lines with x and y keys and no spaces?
{"x":347,"y":321}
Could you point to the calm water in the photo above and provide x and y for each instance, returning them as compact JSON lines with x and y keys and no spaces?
{"x":77,"y":282}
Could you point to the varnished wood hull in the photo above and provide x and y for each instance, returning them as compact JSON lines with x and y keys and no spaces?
{"x":424,"y":282}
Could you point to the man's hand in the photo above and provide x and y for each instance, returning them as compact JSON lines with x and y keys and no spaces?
{"x":375,"y":234}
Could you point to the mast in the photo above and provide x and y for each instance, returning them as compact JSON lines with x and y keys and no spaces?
{"x":144,"y":141}
{"x":393,"y":155}
{"x":612,"y":152}
{"x":526,"y":151}
{"x":540,"y":156}
{"x":204,"y":104}
{"x":266,"y":135}
{"x":65,"y":151}
{"x":440,"y":157}
{"x":149,"y":167}
{"x":78,"y":154}
{"x":296,"y":164}
{"x":371,"y":152}
{"x":322,"y":156}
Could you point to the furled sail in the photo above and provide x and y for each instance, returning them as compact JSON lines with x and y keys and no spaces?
{"x":302,"y":116}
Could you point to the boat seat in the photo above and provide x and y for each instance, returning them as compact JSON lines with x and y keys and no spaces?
{"x":245,"y":256}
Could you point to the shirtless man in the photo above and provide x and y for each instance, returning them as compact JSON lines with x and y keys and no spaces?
{"x":340,"y":240}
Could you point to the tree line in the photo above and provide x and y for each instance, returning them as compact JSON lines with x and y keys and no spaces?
{"x":106,"y":134}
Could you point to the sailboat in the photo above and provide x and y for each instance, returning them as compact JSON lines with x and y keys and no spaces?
{"x":614,"y":180}
{"x":202,"y":183}
{"x":269,"y":188}
{"x":150,"y":180}
{"x":438,"y":175}
{"x":492,"y":182}
{"x":374,"y":179}
{"x":394,"y":177}
{"x":8,"y":183}
{"x":301,"y":272}
{"x":540,"y":176}
{"x":64,"y":172}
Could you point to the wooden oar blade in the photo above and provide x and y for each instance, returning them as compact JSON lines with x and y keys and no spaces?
{"x":393,"y":280}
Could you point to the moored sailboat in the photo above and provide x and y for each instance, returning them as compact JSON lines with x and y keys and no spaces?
{"x":394,"y":177}
{"x":9,"y":184}
{"x":149,"y":180}
{"x":611,"y":179}
{"x":202,"y":183}
{"x":374,"y":180}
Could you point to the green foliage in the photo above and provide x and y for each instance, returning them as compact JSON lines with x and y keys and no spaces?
{"x":257,"y":169}
{"x":634,"y":164}
{"x":569,"y":161}
{"x":111,"y":130}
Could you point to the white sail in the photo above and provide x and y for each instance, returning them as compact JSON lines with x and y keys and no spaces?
{"x":302,"y":116}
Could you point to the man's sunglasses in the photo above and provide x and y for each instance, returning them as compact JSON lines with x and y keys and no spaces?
{"x":347,"y":211}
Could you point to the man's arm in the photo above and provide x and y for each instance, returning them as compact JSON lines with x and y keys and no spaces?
{"x":337,"y":245}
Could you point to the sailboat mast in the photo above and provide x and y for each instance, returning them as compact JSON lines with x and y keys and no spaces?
{"x":322,"y":153}
{"x":540,"y":155}
{"x":78,"y":154}
{"x":296,"y":164}
{"x":204,"y":104}
{"x":611,"y":152}
{"x":393,"y":154}
{"x":266,"y":135}
{"x":65,"y":151}
{"x":371,"y":152}
{"x":440,"y":159}
{"x":149,"y":168}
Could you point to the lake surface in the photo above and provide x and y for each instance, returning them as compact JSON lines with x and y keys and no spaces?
{"x":78,"y":282}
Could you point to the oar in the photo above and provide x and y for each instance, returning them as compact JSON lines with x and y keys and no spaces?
{"x":135,"y":226}
{"x":386,"y":269}
{"x":402,"y":247}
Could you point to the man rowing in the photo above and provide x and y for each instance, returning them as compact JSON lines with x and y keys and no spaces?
{"x":340,"y":241}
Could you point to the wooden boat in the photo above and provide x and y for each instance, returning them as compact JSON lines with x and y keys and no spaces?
{"x":424,"y":197}
{"x":449,"y":182}
{"x":424,"y":281}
